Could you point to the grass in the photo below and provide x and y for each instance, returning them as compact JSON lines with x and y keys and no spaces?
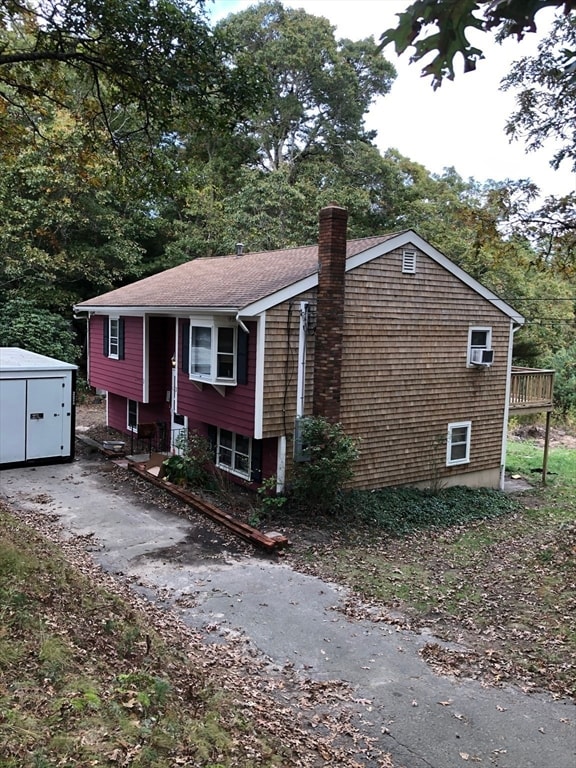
{"x":493,"y":572}
{"x":87,"y":679}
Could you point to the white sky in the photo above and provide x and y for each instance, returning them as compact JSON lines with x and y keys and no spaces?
{"x":462,"y":123}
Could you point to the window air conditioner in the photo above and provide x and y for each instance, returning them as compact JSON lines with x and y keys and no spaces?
{"x":481,"y":356}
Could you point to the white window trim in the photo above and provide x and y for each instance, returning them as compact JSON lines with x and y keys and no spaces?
{"x":116,"y":336}
{"x":488,"y":345}
{"x":226,"y":467}
{"x":450,"y":462}
{"x":129,"y":427}
{"x":214,"y":326}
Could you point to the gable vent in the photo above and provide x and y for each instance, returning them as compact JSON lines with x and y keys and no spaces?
{"x":409,"y":262}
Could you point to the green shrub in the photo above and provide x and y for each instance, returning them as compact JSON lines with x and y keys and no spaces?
{"x":318,"y":482}
{"x":399,"y":511}
{"x":190,"y":466}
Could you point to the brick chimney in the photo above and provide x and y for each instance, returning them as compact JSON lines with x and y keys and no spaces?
{"x":330,"y":312}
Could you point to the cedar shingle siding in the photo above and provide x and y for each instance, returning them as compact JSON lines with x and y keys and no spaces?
{"x":404,"y":372}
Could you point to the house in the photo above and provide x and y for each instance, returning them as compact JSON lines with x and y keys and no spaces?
{"x":384,"y":334}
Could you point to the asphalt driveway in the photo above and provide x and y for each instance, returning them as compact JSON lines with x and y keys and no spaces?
{"x":424,"y":720}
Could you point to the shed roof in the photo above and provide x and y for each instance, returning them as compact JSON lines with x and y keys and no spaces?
{"x":15,"y":359}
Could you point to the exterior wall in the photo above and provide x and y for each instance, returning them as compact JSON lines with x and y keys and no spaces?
{"x":122,"y":377}
{"x":280,"y":374}
{"x":408,"y":378}
{"x":234,"y":410}
{"x":155,"y":413}
{"x":404,"y":374}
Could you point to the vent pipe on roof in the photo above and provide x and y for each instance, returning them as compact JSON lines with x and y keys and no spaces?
{"x":330,"y":312}
{"x":239,"y":249}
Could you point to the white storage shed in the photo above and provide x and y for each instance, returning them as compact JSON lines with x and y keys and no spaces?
{"x":37,"y":400}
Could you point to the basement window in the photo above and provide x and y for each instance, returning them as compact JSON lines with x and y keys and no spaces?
{"x":233,"y":453}
{"x":132,"y":416}
{"x":458,"y":443}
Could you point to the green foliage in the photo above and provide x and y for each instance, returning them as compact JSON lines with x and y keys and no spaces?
{"x":316,"y":89}
{"x":37,"y":330}
{"x":441,"y":25}
{"x":564,"y":363}
{"x":399,"y":511}
{"x":317,"y":483}
{"x":190,"y":464}
{"x":546,"y":93}
{"x":139,"y":66}
{"x":270,"y":501}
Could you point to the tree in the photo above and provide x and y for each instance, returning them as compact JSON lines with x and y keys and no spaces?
{"x":317,"y":89}
{"x":547,"y":97}
{"x":72,"y":224}
{"x":22,"y":324}
{"x":441,"y":25}
{"x":140,"y":64}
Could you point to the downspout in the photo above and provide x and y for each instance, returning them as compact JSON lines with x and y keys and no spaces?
{"x":301,"y":380}
{"x":513,"y":329}
{"x":241,"y":324}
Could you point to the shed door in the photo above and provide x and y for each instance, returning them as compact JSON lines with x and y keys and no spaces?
{"x":46,"y":418}
{"x":12,"y":420}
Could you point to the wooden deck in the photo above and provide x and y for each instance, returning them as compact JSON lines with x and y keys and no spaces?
{"x":531,"y":390}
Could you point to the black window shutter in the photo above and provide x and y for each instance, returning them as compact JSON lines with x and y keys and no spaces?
{"x":186,"y":346}
{"x":256,"y":468}
{"x":121,"y":339}
{"x":106,"y":335}
{"x":212,"y":440}
{"x":242,"y":358}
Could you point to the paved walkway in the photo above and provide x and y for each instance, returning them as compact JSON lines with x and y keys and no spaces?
{"x":423,"y":720}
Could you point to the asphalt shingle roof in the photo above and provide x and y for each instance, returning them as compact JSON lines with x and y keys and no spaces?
{"x":229,"y":281}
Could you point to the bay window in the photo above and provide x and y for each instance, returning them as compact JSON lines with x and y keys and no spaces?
{"x":213,"y":356}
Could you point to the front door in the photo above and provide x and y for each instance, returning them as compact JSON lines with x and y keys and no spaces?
{"x":178,"y":423}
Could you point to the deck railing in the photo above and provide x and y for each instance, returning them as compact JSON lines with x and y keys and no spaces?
{"x":531,"y":389}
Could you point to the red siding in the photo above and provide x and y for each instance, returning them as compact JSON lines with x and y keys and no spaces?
{"x":234,"y":411}
{"x":122,"y":377}
{"x":158,"y":413}
{"x":269,"y":457}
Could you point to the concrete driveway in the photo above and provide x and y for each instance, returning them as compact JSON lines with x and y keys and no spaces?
{"x":422,"y":719}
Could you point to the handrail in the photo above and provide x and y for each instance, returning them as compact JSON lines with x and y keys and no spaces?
{"x":531,"y":388}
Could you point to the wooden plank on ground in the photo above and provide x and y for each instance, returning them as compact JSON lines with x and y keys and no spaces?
{"x":245,"y":531}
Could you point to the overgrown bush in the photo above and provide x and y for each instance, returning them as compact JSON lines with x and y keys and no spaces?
{"x":318,"y":482}
{"x":190,"y":465}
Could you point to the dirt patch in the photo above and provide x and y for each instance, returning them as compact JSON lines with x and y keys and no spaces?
{"x":536,"y":433}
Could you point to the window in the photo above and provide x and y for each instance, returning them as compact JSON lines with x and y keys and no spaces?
{"x":233,"y":453}
{"x":213,"y":353}
{"x":114,"y":337}
{"x":478,"y":339}
{"x":409,"y":262}
{"x":132,"y":417}
{"x":458,"y":446}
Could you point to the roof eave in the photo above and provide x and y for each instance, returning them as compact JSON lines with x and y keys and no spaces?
{"x":138,"y":311}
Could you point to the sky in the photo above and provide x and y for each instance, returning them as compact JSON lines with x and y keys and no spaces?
{"x":461,"y":124}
